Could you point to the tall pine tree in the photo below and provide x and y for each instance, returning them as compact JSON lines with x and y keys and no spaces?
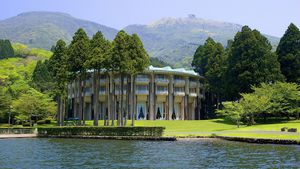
{"x":59,"y":71}
{"x":209,"y":61}
{"x":250,"y":62}
{"x":78,"y":53}
{"x":288,"y":52}
{"x":6,"y":50}
{"x":139,"y":61}
{"x":97,"y":60}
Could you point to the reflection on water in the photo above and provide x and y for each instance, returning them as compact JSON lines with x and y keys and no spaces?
{"x":206,"y":153}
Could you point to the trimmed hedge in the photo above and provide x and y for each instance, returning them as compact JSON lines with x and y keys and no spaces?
{"x":17,"y":130}
{"x":41,"y":122}
{"x":102,"y":131}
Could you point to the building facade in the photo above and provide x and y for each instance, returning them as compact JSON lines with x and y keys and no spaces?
{"x":156,"y":94}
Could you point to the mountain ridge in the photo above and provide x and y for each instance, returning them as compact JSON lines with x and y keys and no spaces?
{"x":170,"y":39}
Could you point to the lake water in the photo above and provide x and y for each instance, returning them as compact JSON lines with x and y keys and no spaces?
{"x":85,"y":153}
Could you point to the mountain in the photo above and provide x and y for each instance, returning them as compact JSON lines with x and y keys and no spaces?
{"x":43,"y":29}
{"x":175,"y":40}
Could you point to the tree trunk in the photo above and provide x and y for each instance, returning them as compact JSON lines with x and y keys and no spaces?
{"x":96,"y":96}
{"x":126,"y":103}
{"x":58,"y":110}
{"x":113,"y":110}
{"x":83,"y":99}
{"x":122,"y":100}
{"x":132,"y":100}
{"x":63,"y":111}
{"x":80,"y":100}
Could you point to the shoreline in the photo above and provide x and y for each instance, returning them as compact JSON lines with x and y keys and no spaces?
{"x":169,"y":138}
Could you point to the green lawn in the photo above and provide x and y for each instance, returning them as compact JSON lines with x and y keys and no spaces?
{"x":215,"y":126}
{"x":289,"y":136}
{"x":272,"y":127}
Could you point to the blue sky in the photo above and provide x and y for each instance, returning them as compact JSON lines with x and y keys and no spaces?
{"x":268,"y":16}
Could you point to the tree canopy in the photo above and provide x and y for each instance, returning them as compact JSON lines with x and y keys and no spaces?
{"x":288,"y":52}
{"x":250,"y":62}
{"x":6,"y":49}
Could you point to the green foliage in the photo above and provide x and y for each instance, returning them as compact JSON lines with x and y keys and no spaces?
{"x":58,"y":68}
{"x":288,"y":52}
{"x":138,"y":55}
{"x":39,"y":122}
{"x":6,"y":49}
{"x":119,"y":56}
{"x":250,"y":62}
{"x":210,"y":61}
{"x":33,"y":104}
{"x":78,"y":52}
{"x":102,"y":131}
{"x":5,"y":102}
{"x":232,"y":111}
{"x":42,"y":79}
{"x":22,"y":50}
{"x":99,"y":52}
{"x":267,"y":100}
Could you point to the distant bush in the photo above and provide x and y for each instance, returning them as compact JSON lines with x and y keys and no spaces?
{"x":292,"y":130}
{"x":103,"y":131}
{"x":27,"y":124}
{"x":48,"y":121}
{"x":6,"y":50}
{"x":41,"y":122}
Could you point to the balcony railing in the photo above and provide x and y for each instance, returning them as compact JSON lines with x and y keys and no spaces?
{"x":179,"y":81}
{"x":88,"y":91}
{"x":161,"y":92}
{"x":102,"y":92}
{"x":118,"y":80}
{"x":142,"y":79}
{"x":193,"y":83}
{"x":179,"y":93}
{"x":142,"y":92}
{"x":162,"y":80}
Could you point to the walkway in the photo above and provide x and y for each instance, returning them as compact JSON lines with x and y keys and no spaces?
{"x":3,"y":136}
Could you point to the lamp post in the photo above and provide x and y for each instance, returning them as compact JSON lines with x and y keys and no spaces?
{"x":9,"y":114}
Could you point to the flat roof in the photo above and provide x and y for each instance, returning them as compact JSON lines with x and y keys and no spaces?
{"x":169,"y":69}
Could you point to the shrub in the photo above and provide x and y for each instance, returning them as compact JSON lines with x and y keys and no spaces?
{"x":103,"y":131}
{"x":27,"y":124}
{"x":41,"y":122}
{"x":284,"y":129}
{"x":292,"y":130}
{"x":48,"y":121}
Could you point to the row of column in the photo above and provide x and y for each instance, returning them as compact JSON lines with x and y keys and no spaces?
{"x":111,"y":99}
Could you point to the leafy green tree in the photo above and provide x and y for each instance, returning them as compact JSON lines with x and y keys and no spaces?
{"x":232,"y":111}
{"x":288,"y":52}
{"x":266,"y":100}
{"x":78,"y":53}
{"x":4,"y":105}
{"x":250,"y":62}
{"x":6,"y":49}
{"x":33,"y":104}
{"x":120,"y":63}
{"x":97,"y":61}
{"x":41,"y":77}
{"x":139,"y":61}
{"x":59,"y":72}
{"x":210,"y":62}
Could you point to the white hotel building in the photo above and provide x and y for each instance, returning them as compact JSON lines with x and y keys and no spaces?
{"x":158,"y":94}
